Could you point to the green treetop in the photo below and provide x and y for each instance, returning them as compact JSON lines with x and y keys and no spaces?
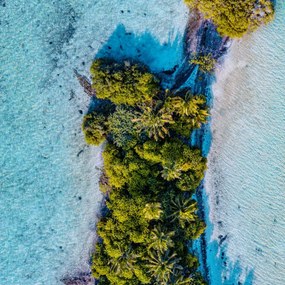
{"x":234,"y":18}
{"x":122,"y":128}
{"x":205,"y":62}
{"x":179,"y":162}
{"x":94,"y":128}
{"x":148,"y":221}
{"x":123,"y":83}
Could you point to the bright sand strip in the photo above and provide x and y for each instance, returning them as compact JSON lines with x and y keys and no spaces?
{"x":245,"y":181}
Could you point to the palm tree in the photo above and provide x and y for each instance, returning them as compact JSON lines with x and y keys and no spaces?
{"x":159,"y":240}
{"x":178,"y":279}
{"x":152,"y":211}
{"x":153,"y":123}
{"x":191,"y":107}
{"x":183,"y":210}
{"x":124,"y":262}
{"x":171,"y":172}
{"x":162,"y":265}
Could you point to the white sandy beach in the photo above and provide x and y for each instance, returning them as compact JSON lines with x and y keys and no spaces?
{"x":245,"y":181}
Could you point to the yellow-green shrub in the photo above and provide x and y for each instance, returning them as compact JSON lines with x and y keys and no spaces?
{"x":123,"y":83}
{"x":206,"y":62}
{"x":234,"y":18}
{"x":94,"y":128}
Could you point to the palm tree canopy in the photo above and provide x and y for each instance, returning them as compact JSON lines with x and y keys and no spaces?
{"x":153,"y":123}
{"x":171,"y":172}
{"x":152,"y":211}
{"x":192,"y":107}
{"x":125,"y":262}
{"x":162,"y":265}
{"x":183,"y":210}
{"x":159,"y":240}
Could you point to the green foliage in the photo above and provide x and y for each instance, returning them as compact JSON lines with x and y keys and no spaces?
{"x":162,"y":265}
{"x":148,"y":220}
{"x":191,"y":110}
{"x":183,"y":210}
{"x":149,"y":151}
{"x":159,"y":240}
{"x":121,"y":127}
{"x":94,"y":128}
{"x":142,"y":275}
{"x":206,"y":62}
{"x":152,"y":211}
{"x":100,"y":262}
{"x":128,"y":168}
{"x":123,"y":83}
{"x":234,"y":18}
{"x":195,"y":229}
{"x":179,"y":162}
{"x":154,"y":124}
{"x":190,"y":180}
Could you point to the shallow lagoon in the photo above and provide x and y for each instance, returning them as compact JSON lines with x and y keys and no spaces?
{"x":49,"y":195}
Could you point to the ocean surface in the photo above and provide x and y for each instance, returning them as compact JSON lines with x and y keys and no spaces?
{"x":245,"y":181}
{"x":49,"y":197}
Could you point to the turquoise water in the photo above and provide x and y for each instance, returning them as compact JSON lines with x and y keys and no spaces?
{"x":49,"y":196}
{"x":246,"y":178}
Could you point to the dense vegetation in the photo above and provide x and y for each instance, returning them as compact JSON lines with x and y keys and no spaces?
{"x":234,"y":18}
{"x":139,"y":85}
{"x":150,"y":175}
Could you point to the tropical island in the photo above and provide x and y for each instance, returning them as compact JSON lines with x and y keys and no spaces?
{"x":151,"y":170}
{"x":150,"y":176}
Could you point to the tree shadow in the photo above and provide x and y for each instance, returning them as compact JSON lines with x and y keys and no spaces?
{"x":205,"y":40}
{"x":217,"y":266}
{"x":163,"y":59}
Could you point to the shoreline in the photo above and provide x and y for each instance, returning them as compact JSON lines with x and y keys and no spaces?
{"x":246,"y":124}
{"x":199,"y":37}
{"x":203,"y":37}
{"x":196,"y":39}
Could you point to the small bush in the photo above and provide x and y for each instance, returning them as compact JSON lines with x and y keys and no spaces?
{"x":94,"y":128}
{"x":206,"y":63}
